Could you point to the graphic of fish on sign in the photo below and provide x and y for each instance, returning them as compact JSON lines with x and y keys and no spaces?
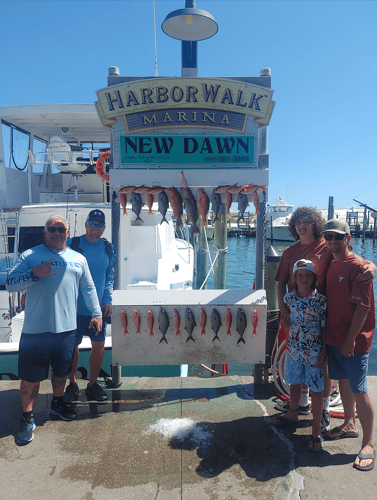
{"x":241,"y":324}
{"x":190,"y":323}
{"x":215,"y":323}
{"x":163,"y":324}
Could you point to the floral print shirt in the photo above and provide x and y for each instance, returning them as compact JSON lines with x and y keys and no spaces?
{"x":308,"y":316}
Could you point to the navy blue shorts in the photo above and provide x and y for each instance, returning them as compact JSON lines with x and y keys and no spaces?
{"x":353,"y":369}
{"x":37,"y":351}
{"x":82,"y":329}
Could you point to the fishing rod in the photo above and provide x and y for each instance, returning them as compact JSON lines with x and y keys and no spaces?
{"x":366,"y":206}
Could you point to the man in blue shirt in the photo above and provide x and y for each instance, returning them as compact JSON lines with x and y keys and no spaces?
{"x":100,"y":256}
{"x":53,"y":275}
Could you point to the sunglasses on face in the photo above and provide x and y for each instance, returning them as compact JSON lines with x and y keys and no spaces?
{"x":337,"y":236}
{"x":53,"y":229}
{"x":95,"y":224}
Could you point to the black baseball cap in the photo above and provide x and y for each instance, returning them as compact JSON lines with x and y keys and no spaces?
{"x":96,"y":214}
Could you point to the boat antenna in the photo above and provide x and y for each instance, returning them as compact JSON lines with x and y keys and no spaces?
{"x":155,"y":39}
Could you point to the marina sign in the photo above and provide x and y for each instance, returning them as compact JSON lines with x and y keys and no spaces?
{"x":187,"y":149}
{"x":182,"y":94}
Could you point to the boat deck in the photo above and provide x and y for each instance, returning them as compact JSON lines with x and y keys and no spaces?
{"x":111,"y":451}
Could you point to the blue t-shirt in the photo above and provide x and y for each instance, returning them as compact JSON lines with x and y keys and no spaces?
{"x":51,"y":302}
{"x":101,"y":268}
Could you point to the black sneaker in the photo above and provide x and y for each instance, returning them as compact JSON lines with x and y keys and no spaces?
{"x":96,"y":392}
{"x":285,"y":405}
{"x":26,"y":431}
{"x":71,"y":392}
{"x":62,"y":411}
{"x":325,"y":421}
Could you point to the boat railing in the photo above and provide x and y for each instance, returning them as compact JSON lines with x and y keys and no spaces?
{"x":58,"y":157}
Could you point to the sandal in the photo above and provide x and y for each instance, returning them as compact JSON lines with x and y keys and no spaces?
{"x":366,"y":456}
{"x":280,"y":420}
{"x":314,"y":441}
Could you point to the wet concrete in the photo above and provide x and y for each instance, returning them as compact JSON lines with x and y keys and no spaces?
{"x":110,"y":451}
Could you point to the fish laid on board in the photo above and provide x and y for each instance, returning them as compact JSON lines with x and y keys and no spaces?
{"x":124,"y":321}
{"x":241,"y":324}
{"x":203,"y":320}
{"x":137,"y":320}
{"x":190,"y":205}
{"x":215,"y":323}
{"x":155,"y":189}
{"x":190,"y":323}
{"x":203,"y":205}
{"x":123,"y":201}
{"x":141,"y":189}
{"x":225,"y":188}
{"x":177,"y":322}
{"x":254,"y":321}
{"x":228,"y":321}
{"x":136,"y":205}
{"x":216,"y":204}
{"x":176,"y":204}
{"x":150,"y":322}
{"x":163,"y":324}
{"x":238,"y":189}
{"x":150,"y":202}
{"x":243,"y":202}
{"x":163,"y":204}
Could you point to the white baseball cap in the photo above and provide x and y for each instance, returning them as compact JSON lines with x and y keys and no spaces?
{"x":304,"y":264}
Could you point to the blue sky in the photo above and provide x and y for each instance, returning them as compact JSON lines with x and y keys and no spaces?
{"x":322,"y":55}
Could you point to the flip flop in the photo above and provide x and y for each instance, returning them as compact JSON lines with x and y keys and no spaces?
{"x":366,"y":456}
{"x":280,"y":420}
{"x":342,"y":434}
{"x":313,"y":441}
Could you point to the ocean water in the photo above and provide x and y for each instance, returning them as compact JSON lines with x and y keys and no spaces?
{"x":240,"y":271}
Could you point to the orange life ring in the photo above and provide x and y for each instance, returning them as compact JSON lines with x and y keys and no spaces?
{"x":100,"y":166}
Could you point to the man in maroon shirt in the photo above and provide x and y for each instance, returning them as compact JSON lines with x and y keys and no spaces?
{"x":349,"y":334}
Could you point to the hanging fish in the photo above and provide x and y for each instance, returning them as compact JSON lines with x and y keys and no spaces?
{"x":228,"y":321}
{"x":254,"y":321}
{"x":203,"y":205}
{"x":176,"y":203}
{"x":124,"y":321}
{"x":150,"y":202}
{"x":255,"y":198}
{"x":123,"y":201}
{"x":241,"y":324}
{"x":136,"y":205}
{"x":163,"y":324}
{"x":190,"y":323}
{"x":163,"y":204}
{"x":137,"y":320}
{"x":203,"y":320}
{"x":242,"y":204}
{"x":150,"y":322}
{"x":228,"y":202}
{"x":177,"y":321}
{"x":215,"y":323}
{"x":216,"y":204}
{"x":190,"y":205}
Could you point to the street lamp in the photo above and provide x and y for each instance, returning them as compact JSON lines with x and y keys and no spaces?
{"x":189,"y":25}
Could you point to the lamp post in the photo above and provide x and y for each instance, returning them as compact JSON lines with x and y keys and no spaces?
{"x":190,"y":25}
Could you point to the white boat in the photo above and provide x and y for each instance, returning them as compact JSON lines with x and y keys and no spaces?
{"x":278,"y":215}
{"x":47,"y":166}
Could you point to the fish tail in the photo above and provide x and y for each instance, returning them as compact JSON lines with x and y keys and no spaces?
{"x":125,"y":211}
{"x":203,"y":331}
{"x":164,"y":220}
{"x":163,"y":339}
{"x":150,"y":211}
{"x":139,"y":218}
{"x":241,"y":339}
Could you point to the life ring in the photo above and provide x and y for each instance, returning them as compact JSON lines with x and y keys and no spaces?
{"x":100,"y":166}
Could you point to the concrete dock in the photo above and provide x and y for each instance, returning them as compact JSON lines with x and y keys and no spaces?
{"x":124,"y":448}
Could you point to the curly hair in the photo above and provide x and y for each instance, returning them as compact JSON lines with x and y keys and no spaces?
{"x":308,"y":213}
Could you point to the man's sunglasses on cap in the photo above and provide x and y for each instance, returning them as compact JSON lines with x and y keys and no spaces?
{"x":95,"y":224}
{"x":337,"y":236}
{"x":53,"y":229}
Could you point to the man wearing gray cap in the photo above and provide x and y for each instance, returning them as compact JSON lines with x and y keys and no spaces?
{"x":349,"y":335}
{"x":100,"y":256}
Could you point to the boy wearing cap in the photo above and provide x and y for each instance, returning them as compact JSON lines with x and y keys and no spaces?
{"x":100,"y":256}
{"x":349,"y":335}
{"x":304,"y":348}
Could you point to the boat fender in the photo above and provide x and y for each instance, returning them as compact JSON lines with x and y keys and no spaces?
{"x":100,"y":166}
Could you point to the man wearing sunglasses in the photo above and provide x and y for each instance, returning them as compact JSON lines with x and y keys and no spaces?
{"x":53,"y":275}
{"x":349,"y":335}
{"x":100,"y":256}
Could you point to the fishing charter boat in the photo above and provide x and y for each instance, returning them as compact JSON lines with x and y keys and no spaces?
{"x":48,"y":155}
{"x":277,"y":220}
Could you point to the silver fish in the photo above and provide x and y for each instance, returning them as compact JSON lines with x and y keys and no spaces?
{"x":241,"y":324}
{"x":190,"y":205}
{"x":190,"y":323}
{"x":163,"y":204}
{"x":243,"y":202}
{"x":163,"y":324}
{"x":215,"y":323}
{"x":137,"y":205}
{"x":216,"y":204}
